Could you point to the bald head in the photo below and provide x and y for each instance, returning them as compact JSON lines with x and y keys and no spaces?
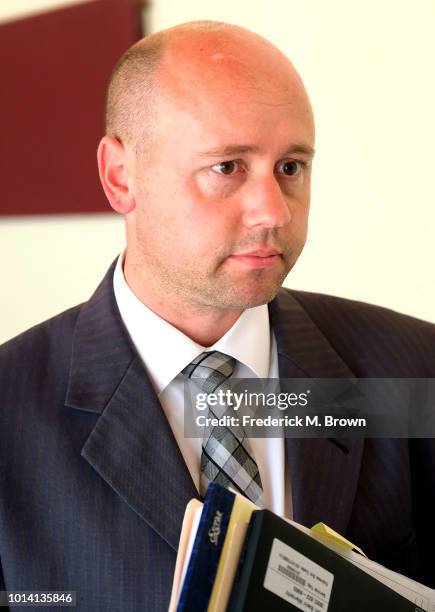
{"x":185,"y":63}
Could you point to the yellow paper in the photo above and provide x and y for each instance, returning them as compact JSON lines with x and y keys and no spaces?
{"x":227,"y":567}
{"x":325,"y":532}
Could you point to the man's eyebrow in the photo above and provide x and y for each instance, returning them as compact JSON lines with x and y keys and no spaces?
{"x":229,"y":150}
{"x":233,"y":150}
{"x":300,"y":148}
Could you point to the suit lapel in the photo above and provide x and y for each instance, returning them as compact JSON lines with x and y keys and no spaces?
{"x":323,"y":472}
{"x":131,"y":446}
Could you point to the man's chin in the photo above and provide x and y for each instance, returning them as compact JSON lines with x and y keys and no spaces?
{"x":241,"y":300}
{"x":242,"y":291}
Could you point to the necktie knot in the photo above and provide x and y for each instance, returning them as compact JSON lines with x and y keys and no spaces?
{"x":210,"y":370}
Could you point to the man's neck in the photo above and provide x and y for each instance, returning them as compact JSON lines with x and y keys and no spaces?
{"x":203,"y":330}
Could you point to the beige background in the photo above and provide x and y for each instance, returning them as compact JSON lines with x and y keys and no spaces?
{"x":368,"y":67}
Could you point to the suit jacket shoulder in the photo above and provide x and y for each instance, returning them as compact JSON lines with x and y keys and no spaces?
{"x":42,"y":348}
{"x":372,"y":340}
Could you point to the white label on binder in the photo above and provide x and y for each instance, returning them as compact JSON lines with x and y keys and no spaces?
{"x":297,"y":579}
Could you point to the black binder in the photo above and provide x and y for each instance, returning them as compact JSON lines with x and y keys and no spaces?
{"x":283,"y":569}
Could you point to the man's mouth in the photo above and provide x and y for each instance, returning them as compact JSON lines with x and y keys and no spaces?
{"x":260,"y":258}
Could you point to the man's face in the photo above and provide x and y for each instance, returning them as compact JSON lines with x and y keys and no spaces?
{"x":222,"y":198}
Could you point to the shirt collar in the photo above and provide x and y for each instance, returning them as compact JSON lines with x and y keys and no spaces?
{"x":165,"y":350}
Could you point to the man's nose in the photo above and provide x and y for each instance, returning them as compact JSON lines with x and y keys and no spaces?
{"x":265,"y":204}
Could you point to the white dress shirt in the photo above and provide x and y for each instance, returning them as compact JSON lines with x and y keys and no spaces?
{"x":166,"y":351}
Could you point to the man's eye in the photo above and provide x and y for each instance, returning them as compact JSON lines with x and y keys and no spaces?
{"x":226,"y":167}
{"x":290,"y":167}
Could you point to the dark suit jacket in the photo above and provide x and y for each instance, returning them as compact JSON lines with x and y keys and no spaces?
{"x":93,"y":486}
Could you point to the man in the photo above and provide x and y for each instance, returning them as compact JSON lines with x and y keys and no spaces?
{"x":208,"y":153}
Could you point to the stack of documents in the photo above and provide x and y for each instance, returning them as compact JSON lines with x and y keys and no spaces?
{"x":235,"y":557}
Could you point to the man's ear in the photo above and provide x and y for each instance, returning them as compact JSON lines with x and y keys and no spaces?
{"x":114,"y":168}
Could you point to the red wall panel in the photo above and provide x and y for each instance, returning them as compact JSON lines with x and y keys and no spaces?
{"x":54,"y":70}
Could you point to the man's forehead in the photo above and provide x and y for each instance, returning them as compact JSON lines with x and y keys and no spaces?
{"x":226,"y":95}
{"x":236,"y":123}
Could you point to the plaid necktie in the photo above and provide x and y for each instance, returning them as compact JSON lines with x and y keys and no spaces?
{"x":225,"y":457}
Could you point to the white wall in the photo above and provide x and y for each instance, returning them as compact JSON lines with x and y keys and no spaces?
{"x":368,"y":67}
{"x":51,"y":263}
